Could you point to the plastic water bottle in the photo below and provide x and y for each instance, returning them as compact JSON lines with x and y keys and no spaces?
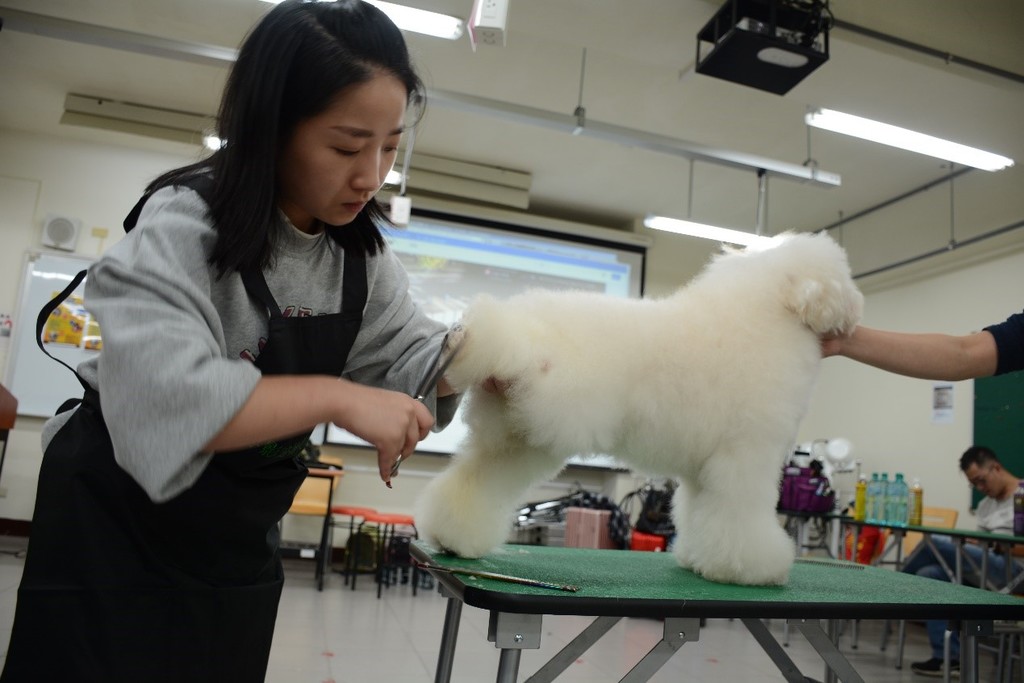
{"x":860,"y":499}
{"x":896,"y":501}
{"x":1018,"y":509}
{"x":882,"y":503}
{"x":871,"y":500}
{"x":916,"y":503}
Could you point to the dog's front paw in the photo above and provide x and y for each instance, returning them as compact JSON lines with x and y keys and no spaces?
{"x":760,"y":557}
{"x":453,"y":516}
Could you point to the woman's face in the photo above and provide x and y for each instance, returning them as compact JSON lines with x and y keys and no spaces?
{"x":337,"y":160}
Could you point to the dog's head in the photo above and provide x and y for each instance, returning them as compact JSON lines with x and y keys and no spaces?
{"x":821,"y":291}
{"x":809,"y":272}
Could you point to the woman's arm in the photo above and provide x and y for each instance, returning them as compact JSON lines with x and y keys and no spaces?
{"x":925,"y":356}
{"x":281,"y":405}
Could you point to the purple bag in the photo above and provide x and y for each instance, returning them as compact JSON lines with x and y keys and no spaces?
{"x":802,"y":491}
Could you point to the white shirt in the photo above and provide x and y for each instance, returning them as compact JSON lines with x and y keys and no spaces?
{"x":996,"y":516}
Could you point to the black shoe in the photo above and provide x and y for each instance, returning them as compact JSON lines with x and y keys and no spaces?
{"x":933,"y":668}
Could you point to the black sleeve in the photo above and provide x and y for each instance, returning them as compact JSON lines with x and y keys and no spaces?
{"x":1009,"y":336}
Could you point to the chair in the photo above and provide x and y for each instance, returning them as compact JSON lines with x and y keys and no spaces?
{"x":352,"y":512}
{"x":939,"y":518}
{"x":313,"y":498}
{"x":388,"y":529}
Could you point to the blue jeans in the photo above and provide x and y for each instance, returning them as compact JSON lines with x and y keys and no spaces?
{"x":925,"y":564}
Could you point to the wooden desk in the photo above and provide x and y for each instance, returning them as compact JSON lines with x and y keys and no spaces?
{"x":617,"y":583}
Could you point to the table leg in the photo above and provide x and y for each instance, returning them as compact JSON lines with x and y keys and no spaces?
{"x":970,"y":630}
{"x":772,"y":648}
{"x":828,"y":651}
{"x":571,"y":652}
{"x":513,"y":633}
{"x":678,"y":631}
{"x":508,"y":665}
{"x":833,"y":636}
{"x":449,"y":634}
{"x":834,"y":539}
{"x":324,"y":554}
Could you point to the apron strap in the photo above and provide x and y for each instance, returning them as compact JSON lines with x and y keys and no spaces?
{"x":45,"y":313}
{"x":354,"y":287}
{"x":201,"y":183}
{"x":256,"y":286}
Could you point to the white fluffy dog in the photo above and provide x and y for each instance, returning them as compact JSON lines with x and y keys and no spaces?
{"x":707,"y":386}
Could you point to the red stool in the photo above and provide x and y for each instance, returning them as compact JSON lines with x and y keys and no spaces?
{"x":387,"y":530}
{"x":352,"y":512}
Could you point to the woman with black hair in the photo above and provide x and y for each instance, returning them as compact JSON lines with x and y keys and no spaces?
{"x":253,"y":298}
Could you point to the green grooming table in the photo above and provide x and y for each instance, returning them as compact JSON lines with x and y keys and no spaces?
{"x":620,"y":583}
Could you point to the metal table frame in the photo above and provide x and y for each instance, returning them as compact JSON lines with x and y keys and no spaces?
{"x":516,"y":620}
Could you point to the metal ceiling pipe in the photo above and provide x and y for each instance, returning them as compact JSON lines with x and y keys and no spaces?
{"x":92,"y":34}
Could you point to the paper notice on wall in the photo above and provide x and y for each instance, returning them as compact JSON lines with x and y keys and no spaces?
{"x":6,"y":329}
{"x":942,"y":404}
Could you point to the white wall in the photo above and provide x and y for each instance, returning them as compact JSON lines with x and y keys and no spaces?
{"x":97,"y":184}
{"x":886,"y":417}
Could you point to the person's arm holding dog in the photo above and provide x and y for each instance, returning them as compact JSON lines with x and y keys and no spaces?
{"x":996,"y":350}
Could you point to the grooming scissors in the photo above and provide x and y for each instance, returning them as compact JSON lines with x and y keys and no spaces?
{"x":441,"y":362}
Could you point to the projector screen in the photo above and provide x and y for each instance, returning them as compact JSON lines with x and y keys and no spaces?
{"x":451,"y":260}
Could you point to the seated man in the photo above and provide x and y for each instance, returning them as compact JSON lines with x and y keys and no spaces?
{"x":995,"y":515}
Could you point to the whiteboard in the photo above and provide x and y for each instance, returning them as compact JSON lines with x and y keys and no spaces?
{"x":39,"y":383}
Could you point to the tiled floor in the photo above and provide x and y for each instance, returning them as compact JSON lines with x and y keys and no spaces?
{"x":343,"y":636}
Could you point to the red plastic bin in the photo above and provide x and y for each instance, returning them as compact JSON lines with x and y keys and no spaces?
{"x":641,"y":541}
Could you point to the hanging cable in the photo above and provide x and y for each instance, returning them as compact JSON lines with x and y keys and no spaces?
{"x":762,"y":202}
{"x":689,"y":195}
{"x":952,"y":217}
{"x":410,"y":141}
{"x":809,"y":161}
{"x":580,"y":113}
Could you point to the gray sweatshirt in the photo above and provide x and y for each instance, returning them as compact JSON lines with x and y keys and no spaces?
{"x":178,"y":343}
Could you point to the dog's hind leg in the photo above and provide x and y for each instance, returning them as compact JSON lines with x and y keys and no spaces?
{"x":730,"y":532}
{"x":468,"y":508}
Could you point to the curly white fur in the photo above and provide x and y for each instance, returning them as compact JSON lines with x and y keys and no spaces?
{"x":707,"y":386}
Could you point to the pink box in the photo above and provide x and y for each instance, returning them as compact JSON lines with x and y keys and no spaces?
{"x":586,"y":528}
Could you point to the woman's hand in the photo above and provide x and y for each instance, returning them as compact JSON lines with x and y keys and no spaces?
{"x":831,"y":346}
{"x":493,"y":385}
{"x":392,"y":422}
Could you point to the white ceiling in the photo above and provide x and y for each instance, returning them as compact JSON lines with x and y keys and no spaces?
{"x":639,"y":76}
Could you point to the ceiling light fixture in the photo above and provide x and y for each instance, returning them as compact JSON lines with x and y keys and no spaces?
{"x":709,"y":232}
{"x":416,"y":20}
{"x":894,"y":136}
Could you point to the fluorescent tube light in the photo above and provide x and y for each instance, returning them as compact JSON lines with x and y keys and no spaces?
{"x":876,"y":131}
{"x":710,"y":232}
{"x":393,"y":177}
{"x":416,"y":20}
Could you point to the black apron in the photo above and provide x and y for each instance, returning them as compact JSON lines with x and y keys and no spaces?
{"x":118,"y":588}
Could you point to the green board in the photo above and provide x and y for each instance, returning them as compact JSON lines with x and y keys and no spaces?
{"x":999,"y":420}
